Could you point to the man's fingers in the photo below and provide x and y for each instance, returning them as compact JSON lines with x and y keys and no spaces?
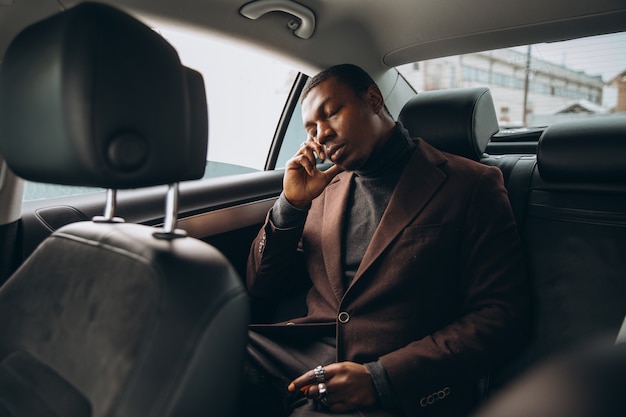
{"x":308,"y":381}
{"x":313,"y":390}
{"x":315,"y":148}
{"x":304,"y":389}
{"x":332,"y":172}
{"x":302,"y":382}
{"x":301,"y":161}
{"x":307,"y":159}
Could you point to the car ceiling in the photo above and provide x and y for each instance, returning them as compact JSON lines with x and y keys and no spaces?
{"x":372,"y":33}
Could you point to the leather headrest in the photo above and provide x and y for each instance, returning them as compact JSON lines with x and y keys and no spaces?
{"x":93,"y":97}
{"x":587,"y":150}
{"x":459,"y":121}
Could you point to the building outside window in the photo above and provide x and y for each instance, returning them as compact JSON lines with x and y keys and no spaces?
{"x":550,"y":90}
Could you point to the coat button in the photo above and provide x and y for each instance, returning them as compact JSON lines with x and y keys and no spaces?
{"x":343,"y":317}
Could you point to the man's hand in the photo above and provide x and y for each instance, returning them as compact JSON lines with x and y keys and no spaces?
{"x":303,"y":181}
{"x":348,"y":385}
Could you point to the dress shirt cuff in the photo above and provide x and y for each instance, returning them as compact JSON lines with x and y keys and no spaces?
{"x":388,"y":398}
{"x":284,"y":215}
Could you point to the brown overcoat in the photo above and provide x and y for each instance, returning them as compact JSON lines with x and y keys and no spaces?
{"x":440,"y":295}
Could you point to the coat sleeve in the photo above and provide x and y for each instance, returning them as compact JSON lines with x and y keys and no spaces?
{"x":275,"y":260}
{"x":493,"y":321}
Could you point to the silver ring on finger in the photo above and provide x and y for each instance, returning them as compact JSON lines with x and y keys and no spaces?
{"x":320,"y":374}
{"x":322,"y":393}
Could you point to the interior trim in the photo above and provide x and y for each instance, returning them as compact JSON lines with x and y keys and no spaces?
{"x":226,"y":219}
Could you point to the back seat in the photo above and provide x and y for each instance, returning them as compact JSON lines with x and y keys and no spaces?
{"x":517,"y":171}
{"x":573,"y":224}
{"x":569,"y":201}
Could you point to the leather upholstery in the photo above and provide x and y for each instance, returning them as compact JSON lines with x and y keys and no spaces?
{"x":572,"y":225}
{"x":585,"y":382}
{"x":107,"y":319}
{"x":29,"y":387}
{"x":586,"y":150}
{"x":140,"y":326}
{"x":517,"y":171}
{"x":56,"y":83}
{"x":459,"y":121}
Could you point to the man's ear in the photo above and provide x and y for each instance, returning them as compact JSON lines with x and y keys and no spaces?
{"x":375,"y":99}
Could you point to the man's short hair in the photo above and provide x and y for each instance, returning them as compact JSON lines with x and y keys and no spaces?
{"x":351,"y":75}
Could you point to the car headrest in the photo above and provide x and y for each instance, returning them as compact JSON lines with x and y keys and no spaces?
{"x":459,"y":121}
{"x":93,"y":97}
{"x":587,"y":150}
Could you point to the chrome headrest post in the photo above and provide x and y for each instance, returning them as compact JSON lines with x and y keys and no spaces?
{"x":109,"y":209}
{"x":171,"y":215}
{"x":171,"y":208}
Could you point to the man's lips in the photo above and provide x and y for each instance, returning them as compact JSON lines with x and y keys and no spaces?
{"x":334,"y":152}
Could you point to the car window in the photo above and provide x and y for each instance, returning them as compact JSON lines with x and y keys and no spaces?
{"x":246,"y":93}
{"x":294,"y":136}
{"x":537,"y":85}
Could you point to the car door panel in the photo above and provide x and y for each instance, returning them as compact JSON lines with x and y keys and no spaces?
{"x":226,"y":212}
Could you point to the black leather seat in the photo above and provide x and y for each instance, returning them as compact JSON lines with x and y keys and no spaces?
{"x":108,"y":318}
{"x":460,"y":121}
{"x":587,"y":381}
{"x":575,"y":237}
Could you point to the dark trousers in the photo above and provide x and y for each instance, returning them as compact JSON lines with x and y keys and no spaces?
{"x":272,"y":362}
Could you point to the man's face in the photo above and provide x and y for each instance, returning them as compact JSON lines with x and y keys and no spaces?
{"x":345,"y":123}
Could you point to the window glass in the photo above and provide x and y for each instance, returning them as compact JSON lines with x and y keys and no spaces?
{"x":246,"y":92}
{"x":41,"y":191}
{"x":540,"y":84}
{"x":294,"y":136}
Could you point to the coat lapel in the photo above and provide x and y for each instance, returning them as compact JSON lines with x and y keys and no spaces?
{"x":335,"y":208}
{"x":418,"y":183}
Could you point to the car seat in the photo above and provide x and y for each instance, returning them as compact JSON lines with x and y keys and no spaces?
{"x":107,"y":318}
{"x":459,"y":121}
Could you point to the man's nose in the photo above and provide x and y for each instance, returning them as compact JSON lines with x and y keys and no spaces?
{"x":325,"y":133}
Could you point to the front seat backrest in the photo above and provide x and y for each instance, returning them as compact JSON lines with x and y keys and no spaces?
{"x":107,"y":318}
